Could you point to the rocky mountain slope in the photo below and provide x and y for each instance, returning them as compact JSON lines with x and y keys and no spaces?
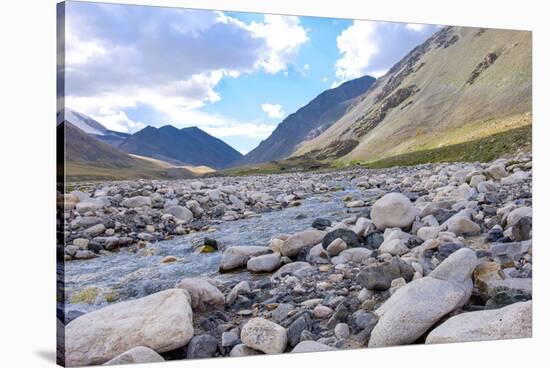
{"x":86,"y":158}
{"x":460,"y":85}
{"x":190,"y":146}
{"x":308,"y":122}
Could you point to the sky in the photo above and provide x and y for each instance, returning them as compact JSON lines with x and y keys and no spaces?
{"x":234,"y":75}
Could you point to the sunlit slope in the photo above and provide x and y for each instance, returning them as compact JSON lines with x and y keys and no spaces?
{"x":460,"y":85}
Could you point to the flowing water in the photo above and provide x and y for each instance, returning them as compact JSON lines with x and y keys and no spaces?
{"x":127,"y":275}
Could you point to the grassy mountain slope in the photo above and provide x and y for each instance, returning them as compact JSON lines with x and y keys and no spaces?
{"x":461,"y":85}
{"x":86,"y":158}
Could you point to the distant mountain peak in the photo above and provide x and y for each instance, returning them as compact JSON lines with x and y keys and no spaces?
{"x":189,"y":145}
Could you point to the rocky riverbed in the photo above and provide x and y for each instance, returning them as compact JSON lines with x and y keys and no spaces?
{"x":298,"y":262}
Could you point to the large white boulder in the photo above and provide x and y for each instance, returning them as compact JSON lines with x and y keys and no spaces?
{"x":162,"y":321}
{"x":393,"y":210}
{"x":264,"y":263}
{"x":510,"y":322}
{"x":296,"y":242}
{"x":263,"y":335}
{"x":417,"y":306}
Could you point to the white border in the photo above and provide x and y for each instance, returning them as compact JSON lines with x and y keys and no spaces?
{"x":27,"y":252}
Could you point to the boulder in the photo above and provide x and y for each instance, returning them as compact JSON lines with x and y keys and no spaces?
{"x":417,"y":306}
{"x":241,"y":350}
{"x":309,"y":346}
{"x":348,"y":236}
{"x":517,"y":214}
{"x":236,"y":257}
{"x":514,"y":178}
{"x":263,"y":335}
{"x":204,"y":295}
{"x":296,"y":242}
{"x":202,"y":346}
{"x":511,"y":322}
{"x":94,"y":230}
{"x":497,"y":171}
{"x":393,"y":210}
{"x":293,"y":268}
{"x":181,"y":213}
{"x":264,"y":263}
{"x":140,"y":354}
{"x":138,"y":201}
{"x":337,"y":246}
{"x":460,"y":225}
{"x":242,"y":287}
{"x":162,"y":321}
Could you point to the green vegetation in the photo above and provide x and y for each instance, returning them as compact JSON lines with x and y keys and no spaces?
{"x":483,"y":150}
{"x":293,"y":164}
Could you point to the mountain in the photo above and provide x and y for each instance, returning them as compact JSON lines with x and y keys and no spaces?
{"x":112,"y":138}
{"x":463,"y":84}
{"x":82,"y":122}
{"x":86,"y":158}
{"x":308,"y":122}
{"x":91,"y":126}
{"x":190,"y":146}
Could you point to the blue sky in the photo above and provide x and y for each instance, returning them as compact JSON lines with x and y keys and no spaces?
{"x":234,"y":75}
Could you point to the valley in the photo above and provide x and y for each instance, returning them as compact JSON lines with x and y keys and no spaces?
{"x":384,"y":212}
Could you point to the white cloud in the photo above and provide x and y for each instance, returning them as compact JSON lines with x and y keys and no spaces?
{"x":251,"y":130}
{"x":324,"y":80}
{"x":122,"y":57}
{"x":283,"y":35}
{"x":273,"y":110}
{"x":416,"y":27}
{"x":358,"y":45}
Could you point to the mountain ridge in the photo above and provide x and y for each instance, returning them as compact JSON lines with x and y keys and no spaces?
{"x":308,"y":121}
{"x":189,"y":145}
{"x":461,"y":76}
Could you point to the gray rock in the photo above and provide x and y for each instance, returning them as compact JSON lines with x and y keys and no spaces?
{"x":237,"y":257}
{"x":138,"y":201}
{"x":202,"y":346}
{"x":264,"y":263}
{"x":296,"y":328}
{"x":296,"y":242}
{"x":181,"y":213}
{"x":348,"y":236}
{"x":511,"y":322}
{"x":94,"y":230}
{"x":294,"y":268}
{"x":281,"y":312}
{"x":242,"y":287}
{"x":311,"y":347}
{"x":241,"y":350}
{"x":341,"y":331}
{"x":336,"y":247}
{"x":266,"y":336}
{"x":230,"y":339}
